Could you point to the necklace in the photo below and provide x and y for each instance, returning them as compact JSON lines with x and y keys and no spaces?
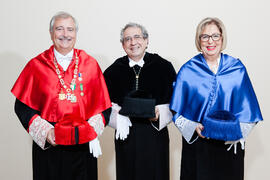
{"x":137,"y":75}
{"x":69,"y":91}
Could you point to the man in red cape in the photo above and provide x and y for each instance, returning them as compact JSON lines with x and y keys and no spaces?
{"x":63,"y":102}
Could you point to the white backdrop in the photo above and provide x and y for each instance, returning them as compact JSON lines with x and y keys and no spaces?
{"x":171,"y":25}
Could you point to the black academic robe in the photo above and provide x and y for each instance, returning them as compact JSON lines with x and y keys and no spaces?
{"x":208,"y":159}
{"x":144,"y":155}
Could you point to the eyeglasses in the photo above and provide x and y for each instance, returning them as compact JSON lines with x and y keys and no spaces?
{"x":206,"y":37}
{"x":135,"y":38}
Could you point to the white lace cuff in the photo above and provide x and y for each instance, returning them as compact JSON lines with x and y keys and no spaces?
{"x":165,"y":116}
{"x":246,"y":128}
{"x":113,"y":117}
{"x":38,"y":129}
{"x":97,"y":123}
{"x":186,"y":127}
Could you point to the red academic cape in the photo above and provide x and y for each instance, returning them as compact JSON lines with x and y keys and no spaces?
{"x":38,"y":87}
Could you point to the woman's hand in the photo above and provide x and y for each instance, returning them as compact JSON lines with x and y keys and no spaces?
{"x":199,"y":130}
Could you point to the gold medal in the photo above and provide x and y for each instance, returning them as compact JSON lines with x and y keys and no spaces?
{"x":62,"y":96}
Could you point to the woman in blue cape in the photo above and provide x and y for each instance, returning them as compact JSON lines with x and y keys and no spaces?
{"x":215,"y":108}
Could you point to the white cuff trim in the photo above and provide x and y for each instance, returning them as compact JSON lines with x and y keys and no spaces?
{"x":38,"y":130}
{"x":165,"y":116}
{"x":186,"y":127}
{"x":246,"y":128}
{"x":97,"y":123}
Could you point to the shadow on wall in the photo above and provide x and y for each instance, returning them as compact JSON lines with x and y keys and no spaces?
{"x":17,"y":144}
{"x":11,"y":65}
{"x":256,"y":152}
{"x":175,"y":151}
{"x":103,"y":61}
{"x":106,"y":163}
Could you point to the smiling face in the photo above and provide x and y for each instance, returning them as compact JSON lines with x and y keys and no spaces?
{"x":211,"y":49}
{"x":133,"y":43}
{"x":63,"y":35}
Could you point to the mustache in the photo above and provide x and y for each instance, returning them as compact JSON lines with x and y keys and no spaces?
{"x":68,"y":38}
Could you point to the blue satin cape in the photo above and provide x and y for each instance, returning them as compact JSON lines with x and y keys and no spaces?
{"x":198,"y":91}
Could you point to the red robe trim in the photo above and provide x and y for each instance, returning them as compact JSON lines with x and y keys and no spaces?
{"x":38,"y":87}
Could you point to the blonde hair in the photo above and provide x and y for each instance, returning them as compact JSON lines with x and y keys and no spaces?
{"x":203,"y":24}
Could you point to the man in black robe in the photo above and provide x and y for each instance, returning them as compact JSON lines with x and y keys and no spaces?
{"x":142,"y":142}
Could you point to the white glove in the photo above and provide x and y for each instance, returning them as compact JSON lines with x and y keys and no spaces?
{"x":94,"y":147}
{"x":122,"y":127}
{"x":234,"y":144}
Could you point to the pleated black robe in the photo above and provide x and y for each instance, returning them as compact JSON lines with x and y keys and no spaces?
{"x":144,"y":155}
{"x":208,"y":159}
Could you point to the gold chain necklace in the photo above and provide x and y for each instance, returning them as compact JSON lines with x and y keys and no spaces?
{"x":69,"y":95}
{"x":137,"y":75}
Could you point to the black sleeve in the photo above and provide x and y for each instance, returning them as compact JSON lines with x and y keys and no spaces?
{"x":24,"y":113}
{"x":106,"y":115}
{"x":169,"y":83}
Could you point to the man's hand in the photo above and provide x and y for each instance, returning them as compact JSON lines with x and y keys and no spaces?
{"x":157,"y":115}
{"x":51,"y":137}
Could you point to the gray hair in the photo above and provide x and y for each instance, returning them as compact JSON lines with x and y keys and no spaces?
{"x":63,"y":15}
{"x":203,"y":24}
{"x":131,"y":24}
